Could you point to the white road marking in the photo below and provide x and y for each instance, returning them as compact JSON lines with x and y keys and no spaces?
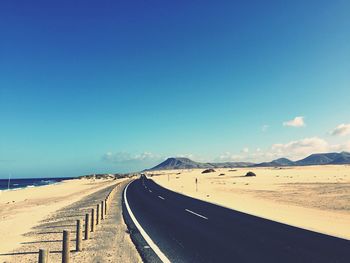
{"x":161,"y":197}
{"x":143,"y":232}
{"x":150,"y":190}
{"x":196,"y":214}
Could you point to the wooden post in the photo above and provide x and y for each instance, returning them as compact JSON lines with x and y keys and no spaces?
{"x":106,"y":207}
{"x":92,"y":220}
{"x":43,"y":256}
{"x":98,"y":214}
{"x":78,"y":244}
{"x":65,"y":246}
{"x":87,"y":225}
{"x":102,"y":210}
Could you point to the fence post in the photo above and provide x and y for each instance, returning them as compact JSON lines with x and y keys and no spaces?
{"x":78,"y":244}
{"x":92,"y":220}
{"x":98,"y":214}
{"x":65,"y":246}
{"x":106,"y":207}
{"x":43,"y":256}
{"x":102,"y":210}
{"x":87,"y":224}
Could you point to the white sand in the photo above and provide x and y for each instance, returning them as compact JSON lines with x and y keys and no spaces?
{"x":312,"y":197}
{"x":22,"y":209}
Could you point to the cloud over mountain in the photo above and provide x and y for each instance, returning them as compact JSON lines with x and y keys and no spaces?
{"x":294,"y":150}
{"x":123,"y":157}
{"x":342,"y":130}
{"x":299,"y":148}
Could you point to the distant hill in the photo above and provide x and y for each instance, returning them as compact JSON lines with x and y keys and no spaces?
{"x":231,"y":164}
{"x":186,"y":163}
{"x":314,"y":159}
{"x":342,"y":158}
{"x":325,"y":158}
{"x":180,"y":163}
{"x":277,"y":162}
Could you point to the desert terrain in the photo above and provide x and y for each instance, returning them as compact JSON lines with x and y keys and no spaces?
{"x":310,"y":197}
{"x":34,"y":218}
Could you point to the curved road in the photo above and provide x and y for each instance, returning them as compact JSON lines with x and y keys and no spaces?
{"x":190,"y":230}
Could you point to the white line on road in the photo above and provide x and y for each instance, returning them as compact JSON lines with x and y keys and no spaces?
{"x":143,"y":232}
{"x":196,"y":214}
{"x":161,"y":197}
{"x":150,"y":190}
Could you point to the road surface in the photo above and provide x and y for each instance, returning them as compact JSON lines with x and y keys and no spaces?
{"x":189,"y":230}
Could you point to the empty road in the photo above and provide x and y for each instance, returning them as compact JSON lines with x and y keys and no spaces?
{"x":189,"y":230}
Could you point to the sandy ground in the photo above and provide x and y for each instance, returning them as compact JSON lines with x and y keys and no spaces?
{"x":313,"y":197}
{"x":34,"y":218}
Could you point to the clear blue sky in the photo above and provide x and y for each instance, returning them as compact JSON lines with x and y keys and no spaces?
{"x":115,"y":86}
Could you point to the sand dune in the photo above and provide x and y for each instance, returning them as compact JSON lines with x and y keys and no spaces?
{"x":312,"y":197}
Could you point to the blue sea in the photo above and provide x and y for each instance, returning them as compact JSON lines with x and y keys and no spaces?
{"x":29,"y":182}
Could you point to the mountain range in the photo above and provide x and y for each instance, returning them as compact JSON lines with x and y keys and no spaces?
{"x":313,"y":159}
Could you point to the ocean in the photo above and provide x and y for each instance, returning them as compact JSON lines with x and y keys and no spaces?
{"x":29,"y":182}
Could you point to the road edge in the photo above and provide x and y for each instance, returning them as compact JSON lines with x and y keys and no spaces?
{"x":140,"y":238}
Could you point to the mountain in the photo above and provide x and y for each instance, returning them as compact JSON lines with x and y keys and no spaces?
{"x":342,"y":158}
{"x":180,"y":163}
{"x":313,"y":159}
{"x":277,"y":162}
{"x":186,"y":163}
{"x":325,"y":158}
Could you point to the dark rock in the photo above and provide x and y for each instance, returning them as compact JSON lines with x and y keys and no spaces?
{"x":210,"y":170}
{"x":250,"y":174}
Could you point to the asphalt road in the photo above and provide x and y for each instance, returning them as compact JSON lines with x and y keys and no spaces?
{"x":190,"y":230}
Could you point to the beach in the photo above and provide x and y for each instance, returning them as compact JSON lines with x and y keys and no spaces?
{"x":310,"y":197}
{"x":24,"y":211}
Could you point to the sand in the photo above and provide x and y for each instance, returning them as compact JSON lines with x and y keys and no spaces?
{"x":22,"y":211}
{"x":312,"y":197}
{"x":109,"y":243}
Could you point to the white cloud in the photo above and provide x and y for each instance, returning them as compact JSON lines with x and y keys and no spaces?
{"x":342,"y":130}
{"x":341,"y":147}
{"x":245,"y":150}
{"x":229,"y":157}
{"x":124,"y":157}
{"x":185,"y":155}
{"x":296,"y":122}
{"x":300,"y":148}
{"x":265,"y":127}
{"x":293,"y":150}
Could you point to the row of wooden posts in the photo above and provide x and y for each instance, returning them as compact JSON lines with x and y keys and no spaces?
{"x":90,"y":226}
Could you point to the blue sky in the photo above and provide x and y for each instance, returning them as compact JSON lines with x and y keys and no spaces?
{"x":117,"y":86}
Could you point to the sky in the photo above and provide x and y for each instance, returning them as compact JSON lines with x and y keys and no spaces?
{"x":118,"y":86}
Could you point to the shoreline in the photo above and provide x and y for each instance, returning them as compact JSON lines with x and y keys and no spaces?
{"x":45,"y":179}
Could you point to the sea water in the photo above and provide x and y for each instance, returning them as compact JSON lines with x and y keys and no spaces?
{"x":29,"y":182}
